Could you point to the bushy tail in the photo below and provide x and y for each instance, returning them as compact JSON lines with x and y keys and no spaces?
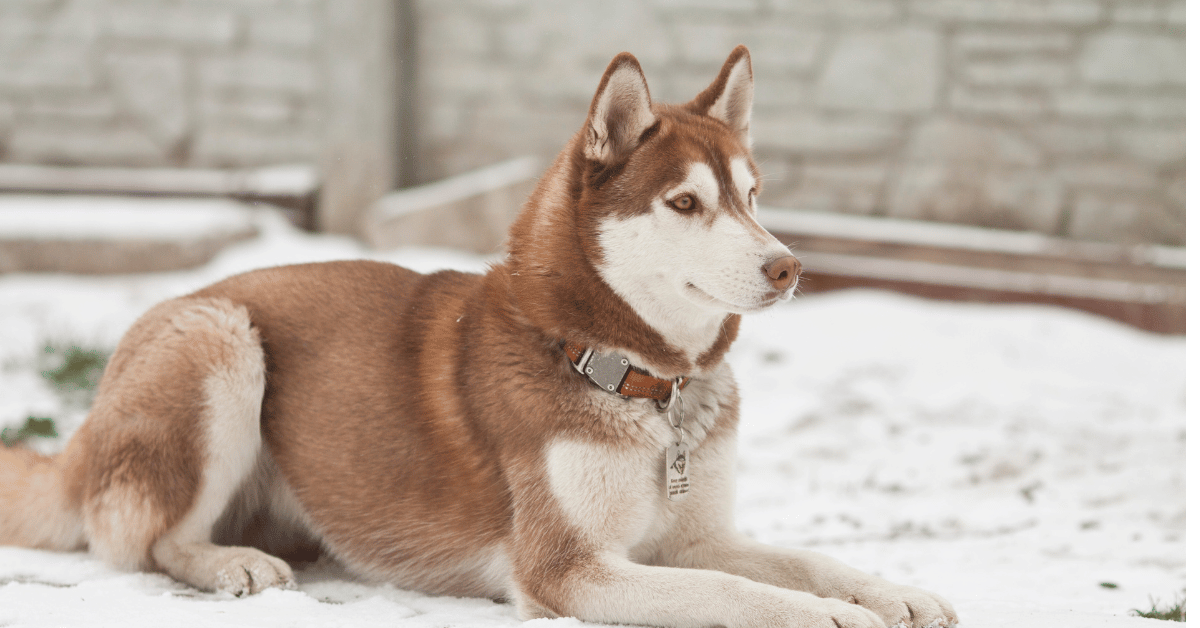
{"x":36,"y":507}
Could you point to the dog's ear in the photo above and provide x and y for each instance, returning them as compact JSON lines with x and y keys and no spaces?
{"x":731,"y":95}
{"x":620,"y":112}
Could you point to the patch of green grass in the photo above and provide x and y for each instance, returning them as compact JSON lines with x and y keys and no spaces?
{"x":1177,"y":612}
{"x":74,"y":372}
{"x":40,"y":427}
{"x":73,"y":368}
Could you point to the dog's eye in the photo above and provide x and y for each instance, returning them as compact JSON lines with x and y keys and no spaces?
{"x":684,"y":202}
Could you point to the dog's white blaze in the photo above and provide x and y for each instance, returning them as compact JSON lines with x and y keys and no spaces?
{"x":743,"y":180}
{"x":683,"y":273}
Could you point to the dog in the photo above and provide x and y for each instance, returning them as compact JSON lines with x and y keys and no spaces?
{"x":559,"y":431}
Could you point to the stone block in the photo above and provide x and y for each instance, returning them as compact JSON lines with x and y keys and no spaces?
{"x":1134,"y":59}
{"x":844,"y":174}
{"x":116,"y":145}
{"x":858,"y":201}
{"x":893,"y":70}
{"x":837,"y":10}
{"x":515,"y":130}
{"x":745,"y":7}
{"x":1176,"y":14}
{"x":8,"y":117}
{"x":1158,"y":145}
{"x":185,"y":24}
{"x":258,"y":109}
{"x":708,"y":43}
{"x":779,"y":94}
{"x":1176,"y":189}
{"x":1039,"y":12}
{"x":956,"y":141}
{"x":1106,"y":173}
{"x":993,"y":42}
{"x":989,"y":175}
{"x":780,"y":46}
{"x":1018,"y":72}
{"x":979,"y":194}
{"x":1104,"y":105}
{"x":460,"y":77}
{"x":71,"y":107}
{"x":592,"y":32}
{"x":153,"y":88}
{"x":231,"y":146}
{"x":997,"y":102}
{"x":813,"y":134}
{"x":443,"y":121}
{"x":808,"y":199}
{"x":521,"y":40}
{"x":1059,"y":139}
{"x":284,"y":29}
{"x":464,"y":33}
{"x":847,"y":187}
{"x":1125,"y":218}
{"x":50,"y":68}
{"x":259,"y":71}
{"x":1143,"y":12}
{"x":72,"y":24}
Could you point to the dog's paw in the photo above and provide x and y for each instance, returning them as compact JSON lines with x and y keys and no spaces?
{"x":838,"y":614}
{"x":906,"y":607}
{"x":247,"y":571}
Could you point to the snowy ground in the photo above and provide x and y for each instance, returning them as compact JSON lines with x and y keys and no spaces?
{"x":1012,"y":458}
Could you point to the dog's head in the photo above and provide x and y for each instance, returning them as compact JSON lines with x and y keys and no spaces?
{"x":671,"y":194}
{"x":657,"y":201}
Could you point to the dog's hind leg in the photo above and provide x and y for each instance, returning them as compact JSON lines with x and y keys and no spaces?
{"x":183,"y":411}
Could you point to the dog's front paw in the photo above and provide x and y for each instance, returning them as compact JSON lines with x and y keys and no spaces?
{"x":908,"y":607}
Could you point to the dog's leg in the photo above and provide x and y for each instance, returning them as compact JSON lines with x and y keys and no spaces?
{"x":572,"y":528}
{"x":233,"y":392}
{"x":607,"y":588}
{"x":821,"y":575}
{"x":175,"y":434}
{"x":705,"y":539}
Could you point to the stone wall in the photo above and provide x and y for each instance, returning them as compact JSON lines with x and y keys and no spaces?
{"x":1061,"y":116}
{"x":214,"y":83}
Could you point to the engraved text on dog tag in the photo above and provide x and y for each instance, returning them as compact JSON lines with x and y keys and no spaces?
{"x":678,"y":484}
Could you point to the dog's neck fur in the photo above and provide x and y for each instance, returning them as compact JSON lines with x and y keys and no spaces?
{"x":561,"y":292}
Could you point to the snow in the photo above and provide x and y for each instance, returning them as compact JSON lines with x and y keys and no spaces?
{"x":79,"y":217}
{"x":1011,"y":458}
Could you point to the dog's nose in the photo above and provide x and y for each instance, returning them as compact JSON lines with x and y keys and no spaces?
{"x":782,"y":271}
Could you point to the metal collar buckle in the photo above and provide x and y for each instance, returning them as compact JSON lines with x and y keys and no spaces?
{"x":606,"y":370}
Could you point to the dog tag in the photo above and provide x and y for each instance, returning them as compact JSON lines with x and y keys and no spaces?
{"x":678,"y":484}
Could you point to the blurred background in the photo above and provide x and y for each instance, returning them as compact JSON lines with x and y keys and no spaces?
{"x":1061,"y":119}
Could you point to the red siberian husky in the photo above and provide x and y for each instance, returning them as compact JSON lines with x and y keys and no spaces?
{"x":559,"y":431}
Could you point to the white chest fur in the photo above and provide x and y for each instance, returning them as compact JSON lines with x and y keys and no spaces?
{"x":611,"y":490}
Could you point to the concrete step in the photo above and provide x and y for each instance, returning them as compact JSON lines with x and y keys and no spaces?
{"x":116,"y":234}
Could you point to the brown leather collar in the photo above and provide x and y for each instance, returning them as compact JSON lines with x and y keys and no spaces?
{"x":614,"y":373}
